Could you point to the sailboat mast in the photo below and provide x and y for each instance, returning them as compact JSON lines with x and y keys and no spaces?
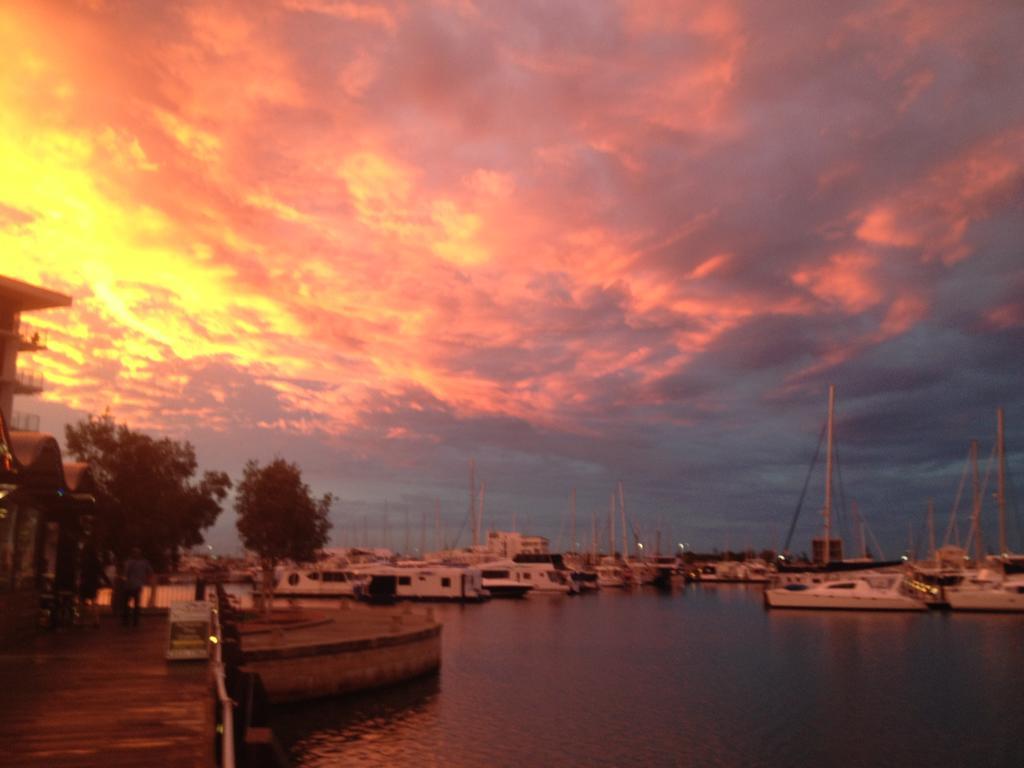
{"x":931,"y":530}
{"x":572,"y":512}
{"x":472,"y":501}
{"x":593,"y":534}
{"x":611,"y":527}
{"x":827,"y":512}
{"x":437,"y":525}
{"x":408,"y":534}
{"x":976,"y":503}
{"x":480,"y":510}
{"x":1001,"y":490}
{"x":622,"y":509}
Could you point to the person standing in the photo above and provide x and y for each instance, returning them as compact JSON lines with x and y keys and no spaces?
{"x":137,"y":573}
{"x":89,"y":583}
{"x":113,"y":579}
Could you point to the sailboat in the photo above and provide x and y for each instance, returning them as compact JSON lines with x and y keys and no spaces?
{"x":834,"y":583}
{"x":999,"y":584}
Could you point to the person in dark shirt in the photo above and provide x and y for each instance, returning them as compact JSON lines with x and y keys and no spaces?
{"x":137,"y":573}
{"x":89,"y":583}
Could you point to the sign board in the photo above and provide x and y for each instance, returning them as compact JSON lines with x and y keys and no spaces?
{"x":189,"y":630}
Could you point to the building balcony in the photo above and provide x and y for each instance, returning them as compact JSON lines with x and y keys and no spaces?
{"x":28,"y":339}
{"x":28,"y":383}
{"x":24,"y":422}
{"x":32,"y":340}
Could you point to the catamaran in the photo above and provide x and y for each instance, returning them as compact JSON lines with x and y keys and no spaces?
{"x":833,"y":583}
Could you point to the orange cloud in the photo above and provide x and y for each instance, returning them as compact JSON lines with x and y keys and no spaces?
{"x":932,"y":216}
{"x":847,"y":280}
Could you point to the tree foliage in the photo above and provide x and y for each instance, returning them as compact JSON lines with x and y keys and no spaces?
{"x":278,"y":518}
{"x":147,"y":495}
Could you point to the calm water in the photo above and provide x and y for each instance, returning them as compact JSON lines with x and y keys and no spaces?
{"x":703,"y":677}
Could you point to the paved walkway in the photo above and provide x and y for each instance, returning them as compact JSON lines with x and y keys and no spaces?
{"x":104,"y":697}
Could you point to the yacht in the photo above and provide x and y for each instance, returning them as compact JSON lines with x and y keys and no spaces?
{"x":988,"y":591}
{"x":838,"y":591}
{"x":735,"y":572}
{"x":316,"y":581}
{"x":610,"y":577}
{"x":546,"y":573}
{"x":501,"y":579}
{"x":387,"y":584}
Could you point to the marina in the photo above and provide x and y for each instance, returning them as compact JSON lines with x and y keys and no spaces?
{"x":701,"y":676}
{"x":462,"y":384}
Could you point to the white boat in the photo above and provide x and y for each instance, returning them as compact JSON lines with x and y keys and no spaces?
{"x":501,"y":579}
{"x":832,"y":582}
{"x":610,"y":577}
{"x":640,"y":572}
{"x":988,"y":592}
{"x":869,"y":591}
{"x":999,"y":587}
{"x":428,"y":582}
{"x":735,"y":572}
{"x":545,"y":573}
{"x":317,"y":581}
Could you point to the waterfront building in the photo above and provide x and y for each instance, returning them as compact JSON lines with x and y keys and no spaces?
{"x":508,"y":544}
{"x":17,"y":297}
{"x":45,"y":504}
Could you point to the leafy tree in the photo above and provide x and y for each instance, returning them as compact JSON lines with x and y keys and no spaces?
{"x":147,"y":496}
{"x":278,"y":518}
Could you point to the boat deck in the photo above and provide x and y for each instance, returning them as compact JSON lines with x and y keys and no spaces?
{"x":88,"y":697}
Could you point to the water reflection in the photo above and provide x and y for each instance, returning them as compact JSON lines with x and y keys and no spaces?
{"x":704,"y":676}
{"x":374,"y":729}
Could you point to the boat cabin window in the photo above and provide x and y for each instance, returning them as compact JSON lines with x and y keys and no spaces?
{"x":844,"y":585}
{"x":495,"y":574}
{"x":334,"y":576}
{"x":404,"y":581}
{"x":313,"y":575}
{"x":527,"y":576}
{"x":445,"y":581}
{"x":293,"y":579}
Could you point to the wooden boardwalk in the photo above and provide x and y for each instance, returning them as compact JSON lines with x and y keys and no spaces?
{"x":104,"y":697}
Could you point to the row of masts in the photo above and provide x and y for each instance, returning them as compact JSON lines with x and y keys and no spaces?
{"x":976,"y":487}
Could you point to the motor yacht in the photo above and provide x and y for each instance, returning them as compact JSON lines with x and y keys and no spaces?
{"x":863,"y":592}
{"x":502,"y":579}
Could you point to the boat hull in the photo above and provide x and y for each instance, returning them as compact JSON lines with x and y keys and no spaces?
{"x":777,"y":600}
{"x":989,"y":600}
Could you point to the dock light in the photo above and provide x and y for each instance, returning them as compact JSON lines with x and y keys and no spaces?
{"x":640,"y":544}
{"x":213,"y":639}
{"x":904,"y":558}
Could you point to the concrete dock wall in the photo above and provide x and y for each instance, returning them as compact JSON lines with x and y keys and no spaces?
{"x":296,"y":670}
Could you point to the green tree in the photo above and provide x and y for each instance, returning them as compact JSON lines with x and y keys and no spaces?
{"x":278,"y":518}
{"x":147,"y":494}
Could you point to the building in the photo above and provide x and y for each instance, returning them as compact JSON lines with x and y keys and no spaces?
{"x":46,"y":505}
{"x":512,"y":543}
{"x":17,"y":297}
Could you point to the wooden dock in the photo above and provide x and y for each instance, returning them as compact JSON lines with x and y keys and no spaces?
{"x":88,"y":697}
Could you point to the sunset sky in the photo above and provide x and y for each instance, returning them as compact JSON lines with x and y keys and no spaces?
{"x":577,"y":242}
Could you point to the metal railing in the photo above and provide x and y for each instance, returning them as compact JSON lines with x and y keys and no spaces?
{"x":32,"y":339}
{"x":28,"y":382}
{"x":226,"y":704}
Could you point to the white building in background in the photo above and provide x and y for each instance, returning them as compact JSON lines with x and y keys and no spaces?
{"x":511,"y":543}
{"x":17,"y":297}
